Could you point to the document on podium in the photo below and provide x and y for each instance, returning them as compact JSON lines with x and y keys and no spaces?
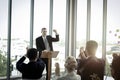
{"x":54,"y":54}
{"x":46,"y":54}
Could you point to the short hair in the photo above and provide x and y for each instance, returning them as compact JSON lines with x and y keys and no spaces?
{"x":71,"y":63}
{"x":32,"y":53}
{"x":43,"y":29}
{"x":115,"y":65}
{"x":91,"y":45}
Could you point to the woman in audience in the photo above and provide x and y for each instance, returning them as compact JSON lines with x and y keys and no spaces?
{"x":89,"y":66}
{"x":115,"y":66}
{"x":70,"y":65}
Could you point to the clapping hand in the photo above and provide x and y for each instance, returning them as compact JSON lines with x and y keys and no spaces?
{"x":82,"y":53}
{"x":27,"y":48}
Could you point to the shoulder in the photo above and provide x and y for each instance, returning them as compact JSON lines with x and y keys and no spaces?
{"x":49,"y":36}
{"x":102,"y":61}
{"x":78,"y":77}
{"x":69,"y":77}
{"x":39,"y":61}
{"x":21,"y":66}
{"x":94,"y":65}
{"x":96,"y":61}
{"x":39,"y":37}
{"x":75,"y":77}
{"x":61,"y":78}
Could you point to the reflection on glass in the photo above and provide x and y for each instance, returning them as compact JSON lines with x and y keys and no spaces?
{"x":59,"y":23}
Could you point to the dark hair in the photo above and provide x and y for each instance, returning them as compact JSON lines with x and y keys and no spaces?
{"x":43,"y":29}
{"x":32,"y":53}
{"x":115,"y":65}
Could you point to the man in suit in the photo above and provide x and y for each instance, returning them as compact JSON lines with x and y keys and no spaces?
{"x":44,"y":43}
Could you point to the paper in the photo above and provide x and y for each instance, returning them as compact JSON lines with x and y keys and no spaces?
{"x":49,"y":54}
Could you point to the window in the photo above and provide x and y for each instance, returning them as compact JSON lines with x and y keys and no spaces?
{"x":97,"y":24}
{"x":41,"y":17}
{"x":81,"y":24}
{"x":113,"y":30}
{"x":20,"y":31}
{"x":59,"y":23}
{"x":3,"y":36}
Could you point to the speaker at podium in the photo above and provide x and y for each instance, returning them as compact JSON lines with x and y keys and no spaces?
{"x":49,"y":55}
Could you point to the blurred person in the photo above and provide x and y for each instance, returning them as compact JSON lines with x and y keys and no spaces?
{"x":70,"y":65}
{"x":89,"y":66}
{"x":44,"y":43}
{"x":34,"y":68}
{"x":57,"y":71}
{"x":115,"y":66}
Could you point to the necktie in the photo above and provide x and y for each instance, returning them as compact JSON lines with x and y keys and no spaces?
{"x":45,"y":42}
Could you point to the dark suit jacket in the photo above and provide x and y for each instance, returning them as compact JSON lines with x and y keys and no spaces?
{"x":91,"y":69}
{"x":40,"y":44}
{"x":32,"y":70}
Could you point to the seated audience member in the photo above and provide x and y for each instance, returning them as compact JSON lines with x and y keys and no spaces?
{"x":70,"y":65}
{"x":115,"y":67}
{"x":32,"y":70}
{"x":57,"y":71}
{"x":89,"y":66}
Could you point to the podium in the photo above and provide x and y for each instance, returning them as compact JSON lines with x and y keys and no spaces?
{"x":49,"y":55}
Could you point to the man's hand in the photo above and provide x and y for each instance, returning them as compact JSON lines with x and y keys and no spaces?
{"x":27,"y":48}
{"x":54,"y":30}
{"x":82,"y":53}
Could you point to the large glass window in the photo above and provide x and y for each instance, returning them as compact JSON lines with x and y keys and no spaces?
{"x":96,"y":24}
{"x":59,"y":23}
{"x":41,"y":17}
{"x":3,"y":36}
{"x":20,"y":32}
{"x":81,"y":24}
{"x":113,"y":30}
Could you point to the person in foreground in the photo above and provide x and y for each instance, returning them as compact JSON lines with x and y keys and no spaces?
{"x":89,"y":66}
{"x":70,"y":65}
{"x":34,"y":68}
{"x":115,"y":66}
